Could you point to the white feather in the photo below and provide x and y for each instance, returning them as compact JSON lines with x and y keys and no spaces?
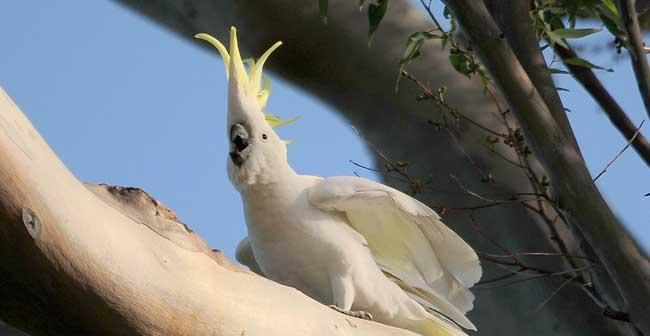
{"x":408,"y":241}
{"x":346,"y":241}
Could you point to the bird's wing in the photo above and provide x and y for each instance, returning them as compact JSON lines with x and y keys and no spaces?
{"x":409,"y":242}
{"x":244,"y":255}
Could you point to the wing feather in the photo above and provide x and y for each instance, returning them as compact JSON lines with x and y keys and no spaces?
{"x":408,"y":241}
{"x":245,"y":256}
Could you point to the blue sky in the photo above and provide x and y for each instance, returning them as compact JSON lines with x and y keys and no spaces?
{"x":125,"y":102}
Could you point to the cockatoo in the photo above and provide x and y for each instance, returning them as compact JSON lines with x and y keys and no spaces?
{"x":359,"y":246}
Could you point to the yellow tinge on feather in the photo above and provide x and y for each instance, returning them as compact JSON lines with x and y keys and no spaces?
{"x":253,"y":82}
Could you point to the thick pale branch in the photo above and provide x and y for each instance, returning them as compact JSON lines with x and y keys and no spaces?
{"x":332,"y":62}
{"x":570,"y":179}
{"x":113,"y":261}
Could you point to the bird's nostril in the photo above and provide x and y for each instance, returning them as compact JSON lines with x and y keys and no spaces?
{"x":240,"y":143}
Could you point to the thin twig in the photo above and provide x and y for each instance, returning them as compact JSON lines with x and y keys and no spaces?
{"x":565,"y":274}
{"x":620,"y":153}
{"x":497,"y":279}
{"x":385,"y":174}
{"x":428,"y":94}
{"x":485,"y":206}
{"x":478,"y":169}
{"x":501,"y":156}
{"x":540,"y":254}
{"x":433,"y":17}
{"x":470,"y":192}
{"x":566,"y":282}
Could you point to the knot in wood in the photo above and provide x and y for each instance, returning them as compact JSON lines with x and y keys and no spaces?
{"x":32,"y":223}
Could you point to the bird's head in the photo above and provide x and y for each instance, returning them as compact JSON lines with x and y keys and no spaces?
{"x":257,"y":153}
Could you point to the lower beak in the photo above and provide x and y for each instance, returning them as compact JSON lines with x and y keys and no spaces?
{"x":239,"y":144}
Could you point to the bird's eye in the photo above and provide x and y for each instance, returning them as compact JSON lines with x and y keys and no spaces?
{"x":264,"y":136}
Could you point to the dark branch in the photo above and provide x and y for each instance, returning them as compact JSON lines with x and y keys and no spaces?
{"x":569,"y":177}
{"x":637,"y":52}
{"x":607,"y":103}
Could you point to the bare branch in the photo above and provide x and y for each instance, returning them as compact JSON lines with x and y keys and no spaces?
{"x":566,"y":282}
{"x":539,"y":254}
{"x":81,"y":260}
{"x":607,"y":103}
{"x":569,"y":176}
{"x":513,"y":18}
{"x":637,"y":52}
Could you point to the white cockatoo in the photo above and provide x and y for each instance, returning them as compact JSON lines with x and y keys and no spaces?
{"x":359,"y":246}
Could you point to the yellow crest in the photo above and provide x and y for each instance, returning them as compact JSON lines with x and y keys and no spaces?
{"x":253,"y":82}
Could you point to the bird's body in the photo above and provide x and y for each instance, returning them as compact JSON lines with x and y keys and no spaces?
{"x":344,"y":241}
{"x":278,"y":237}
{"x":318,"y":253}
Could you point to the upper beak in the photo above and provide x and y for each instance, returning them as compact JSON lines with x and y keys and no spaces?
{"x":239,"y":144}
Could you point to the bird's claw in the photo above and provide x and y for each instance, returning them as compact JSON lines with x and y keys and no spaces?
{"x":354,"y":313}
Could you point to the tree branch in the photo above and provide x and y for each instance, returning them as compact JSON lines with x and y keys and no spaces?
{"x":513,"y":18}
{"x":113,"y":261}
{"x":637,"y":54}
{"x":612,"y":109}
{"x":569,"y":177}
{"x":322,"y":59}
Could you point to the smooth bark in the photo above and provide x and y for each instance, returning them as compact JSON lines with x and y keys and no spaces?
{"x":101,"y":260}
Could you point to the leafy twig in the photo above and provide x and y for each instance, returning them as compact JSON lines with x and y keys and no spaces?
{"x":428,"y":94}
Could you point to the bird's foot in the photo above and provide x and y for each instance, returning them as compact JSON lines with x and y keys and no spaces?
{"x":354,"y":313}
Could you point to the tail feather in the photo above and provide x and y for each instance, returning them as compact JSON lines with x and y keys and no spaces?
{"x":437,"y":327}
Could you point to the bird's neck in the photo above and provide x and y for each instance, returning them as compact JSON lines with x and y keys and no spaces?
{"x":262,"y":177}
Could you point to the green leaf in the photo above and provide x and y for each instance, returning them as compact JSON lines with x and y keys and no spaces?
{"x":322,"y":7}
{"x":484,"y":76}
{"x":376,"y":12}
{"x":413,"y":46}
{"x":612,"y":25}
{"x":460,"y":62}
{"x":567,"y":33}
{"x":412,"y":51}
{"x":608,"y":14}
{"x":449,"y":15}
{"x":557,"y":71}
{"x":610,"y":5}
{"x":555,"y":39}
{"x":446,"y":12}
{"x":577,"y":61}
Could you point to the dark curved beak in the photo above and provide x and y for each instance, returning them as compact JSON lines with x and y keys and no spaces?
{"x":239,"y":144}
